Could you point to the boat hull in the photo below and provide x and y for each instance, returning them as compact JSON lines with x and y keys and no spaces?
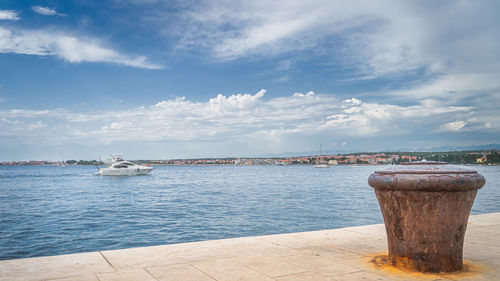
{"x":140,"y":171}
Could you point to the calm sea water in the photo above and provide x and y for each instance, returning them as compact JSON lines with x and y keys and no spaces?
{"x":61,"y":210}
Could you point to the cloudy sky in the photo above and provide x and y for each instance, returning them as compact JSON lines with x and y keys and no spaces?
{"x":176,"y":79}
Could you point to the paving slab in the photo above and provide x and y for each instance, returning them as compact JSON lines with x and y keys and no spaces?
{"x":322,"y":265}
{"x":178,"y":272}
{"x":91,"y":277}
{"x":272,"y":266}
{"x":305,"y":276}
{"x":230,"y":270}
{"x":353,"y":253}
{"x":331,"y":252}
{"x":362,"y":275}
{"x":127,"y":275}
{"x":54,"y":267}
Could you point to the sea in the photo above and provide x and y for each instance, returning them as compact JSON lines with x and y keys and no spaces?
{"x":48,"y":211}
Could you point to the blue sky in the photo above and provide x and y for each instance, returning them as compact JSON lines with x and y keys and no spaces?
{"x":172,"y":79}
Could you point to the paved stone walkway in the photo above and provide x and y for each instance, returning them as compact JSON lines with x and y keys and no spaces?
{"x":354,"y":253}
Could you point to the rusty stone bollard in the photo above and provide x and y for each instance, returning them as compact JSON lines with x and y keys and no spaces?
{"x":426,"y":207}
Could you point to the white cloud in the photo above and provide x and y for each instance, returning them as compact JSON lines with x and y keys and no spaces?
{"x":236,"y":28}
{"x":282,"y":79}
{"x":309,"y":94}
{"x":9,"y":15}
{"x":46,"y":11}
{"x":382,"y":38}
{"x":452,"y":126}
{"x":285,"y":65}
{"x":118,"y":125}
{"x":351,"y":102}
{"x":454,"y":86}
{"x":136,"y":2}
{"x":67,"y":47}
{"x":28,"y":113}
{"x":247,"y":119}
{"x":235,"y":102}
{"x":36,"y":125}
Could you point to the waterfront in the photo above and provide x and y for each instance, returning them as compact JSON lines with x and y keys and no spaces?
{"x":61,"y":210}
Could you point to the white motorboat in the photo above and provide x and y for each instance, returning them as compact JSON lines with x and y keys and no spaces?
{"x":119,"y":167}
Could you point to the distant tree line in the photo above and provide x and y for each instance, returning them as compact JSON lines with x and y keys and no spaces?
{"x":459,"y":158}
{"x":493,"y":158}
{"x":453,"y":157}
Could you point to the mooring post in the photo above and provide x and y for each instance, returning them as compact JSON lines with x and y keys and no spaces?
{"x":426,"y":207}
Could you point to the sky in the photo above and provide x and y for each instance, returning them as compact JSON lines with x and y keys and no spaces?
{"x":157,"y":79}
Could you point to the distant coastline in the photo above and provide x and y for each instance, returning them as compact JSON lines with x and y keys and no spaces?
{"x":480,"y":157}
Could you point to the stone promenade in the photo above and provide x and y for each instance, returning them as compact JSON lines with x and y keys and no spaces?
{"x":354,"y":253}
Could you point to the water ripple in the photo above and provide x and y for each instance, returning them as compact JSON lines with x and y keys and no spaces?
{"x":62,"y":210}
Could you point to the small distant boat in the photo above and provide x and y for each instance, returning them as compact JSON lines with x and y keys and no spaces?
{"x":119,"y":167}
{"x":321,"y":164}
{"x":62,"y":163}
